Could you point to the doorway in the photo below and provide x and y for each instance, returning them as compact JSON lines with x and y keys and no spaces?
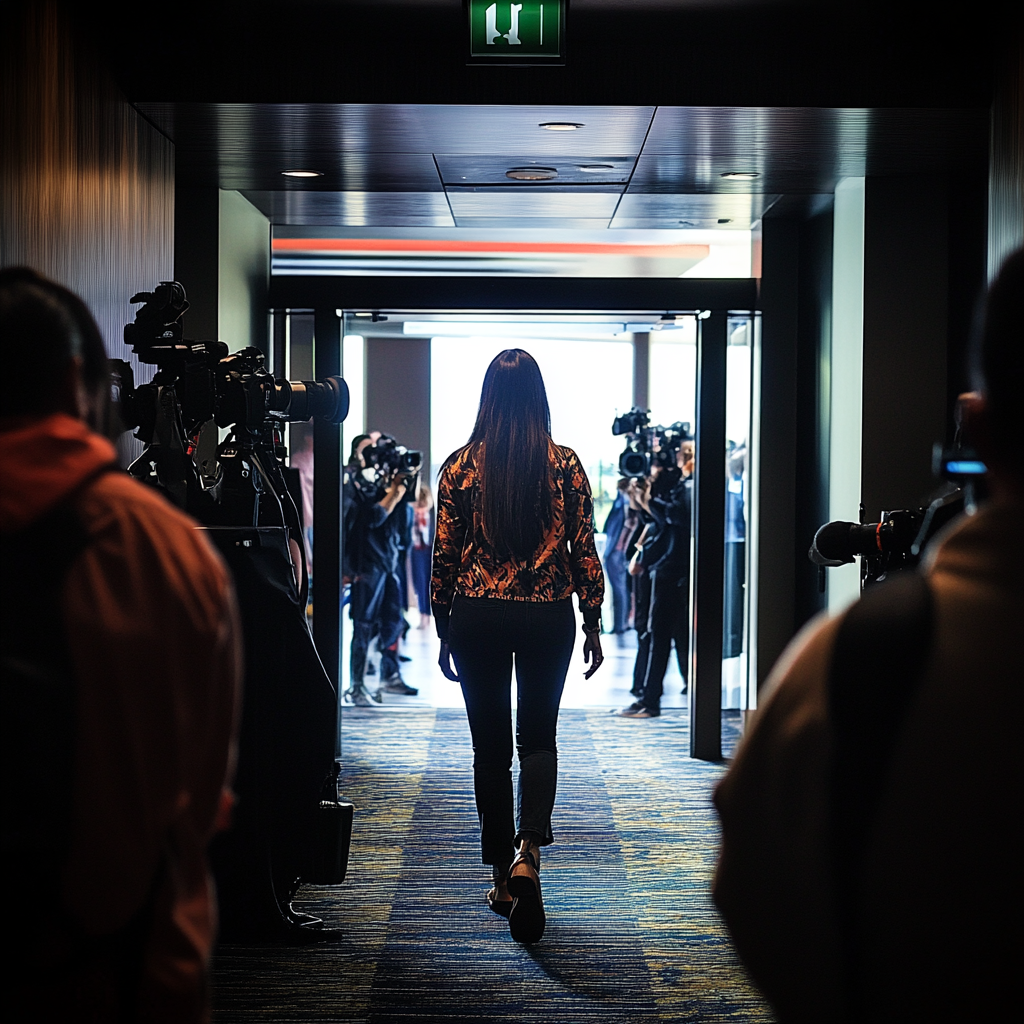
{"x":416,"y":373}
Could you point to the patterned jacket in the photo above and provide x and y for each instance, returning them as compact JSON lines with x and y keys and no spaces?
{"x":565,"y":562}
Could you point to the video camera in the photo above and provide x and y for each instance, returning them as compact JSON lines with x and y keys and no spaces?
{"x":897,"y":541}
{"x":197,"y":382}
{"x":647,"y":446}
{"x":389,"y":459}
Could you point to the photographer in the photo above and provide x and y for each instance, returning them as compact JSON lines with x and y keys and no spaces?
{"x":663,"y":553}
{"x":375,"y":519}
{"x":868,"y":868}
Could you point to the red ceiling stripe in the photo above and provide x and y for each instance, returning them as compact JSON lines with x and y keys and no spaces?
{"x":406,"y":245}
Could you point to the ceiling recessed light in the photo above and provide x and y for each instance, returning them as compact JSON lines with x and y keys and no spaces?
{"x":531,"y":173}
{"x":740,"y":175}
{"x":595,"y":168}
{"x":303,"y":174}
{"x":561,"y":126}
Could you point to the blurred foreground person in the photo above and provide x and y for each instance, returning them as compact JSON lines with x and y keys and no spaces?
{"x":120,"y":653}
{"x":870,"y":864}
{"x":515,"y":539}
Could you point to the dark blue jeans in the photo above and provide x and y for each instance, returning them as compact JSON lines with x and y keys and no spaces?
{"x":486,"y":635}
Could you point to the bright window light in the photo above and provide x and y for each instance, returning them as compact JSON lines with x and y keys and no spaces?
{"x":353,"y":370}
{"x":476,"y":329}
{"x":673,"y":374}
{"x":587,"y":382}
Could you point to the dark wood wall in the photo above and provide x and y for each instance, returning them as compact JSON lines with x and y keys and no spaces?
{"x":1006,"y":166}
{"x":86,"y":185}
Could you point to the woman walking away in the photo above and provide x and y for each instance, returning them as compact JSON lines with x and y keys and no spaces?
{"x":514,"y":540}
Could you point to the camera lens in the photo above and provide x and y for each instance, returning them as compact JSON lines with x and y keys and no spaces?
{"x":309,"y":399}
{"x":633,"y":464}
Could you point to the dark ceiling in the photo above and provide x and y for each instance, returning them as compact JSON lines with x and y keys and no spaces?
{"x":409,"y":165}
{"x":828,"y":53}
{"x":381,"y":98}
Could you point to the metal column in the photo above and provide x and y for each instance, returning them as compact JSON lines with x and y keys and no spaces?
{"x":327,"y":503}
{"x":708,"y":571}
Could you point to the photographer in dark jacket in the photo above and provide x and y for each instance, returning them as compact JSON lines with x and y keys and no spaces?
{"x":375,"y":520}
{"x":664,"y":554}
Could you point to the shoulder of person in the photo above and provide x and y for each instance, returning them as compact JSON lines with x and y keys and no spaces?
{"x":128,"y":518}
{"x":460,"y":468}
{"x":794,"y":698}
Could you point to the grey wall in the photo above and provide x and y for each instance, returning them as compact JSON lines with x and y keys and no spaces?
{"x":398,"y":390}
{"x":243,"y":273}
{"x":905,"y":336}
{"x":811,"y":457}
{"x":222,"y":257}
{"x":776,"y":484}
{"x":86,"y":185}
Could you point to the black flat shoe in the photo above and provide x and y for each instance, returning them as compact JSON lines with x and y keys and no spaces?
{"x":526,"y":921}
{"x":501,"y":907}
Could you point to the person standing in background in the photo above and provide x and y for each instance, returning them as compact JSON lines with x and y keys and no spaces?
{"x":616,"y":537}
{"x":422,"y":549}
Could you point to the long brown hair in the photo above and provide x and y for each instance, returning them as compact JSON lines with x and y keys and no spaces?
{"x":513,"y":431}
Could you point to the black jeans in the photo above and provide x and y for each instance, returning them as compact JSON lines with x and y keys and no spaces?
{"x":375,"y":606}
{"x":641,"y":617}
{"x":668,"y":621}
{"x":485,"y":635}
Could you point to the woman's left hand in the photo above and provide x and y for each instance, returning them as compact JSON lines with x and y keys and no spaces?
{"x":444,"y":662}
{"x":592,"y":653}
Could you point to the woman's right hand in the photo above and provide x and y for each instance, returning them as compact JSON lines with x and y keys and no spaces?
{"x":444,"y":662}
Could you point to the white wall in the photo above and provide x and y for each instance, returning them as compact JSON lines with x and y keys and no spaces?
{"x":847,"y":376}
{"x":243,"y":273}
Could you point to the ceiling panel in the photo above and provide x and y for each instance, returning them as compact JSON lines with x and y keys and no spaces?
{"x":341,"y":172}
{"x":589,"y":170}
{"x":566,"y":223}
{"x":355,"y":209}
{"x":527,"y":203}
{"x":672,"y":174}
{"x":821,"y":140}
{"x":647,"y":210}
{"x":226,"y":128}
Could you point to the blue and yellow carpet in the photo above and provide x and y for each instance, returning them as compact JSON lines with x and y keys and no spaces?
{"x":632,"y":933}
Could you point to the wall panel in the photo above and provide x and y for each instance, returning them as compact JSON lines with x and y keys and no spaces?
{"x":86,"y":184}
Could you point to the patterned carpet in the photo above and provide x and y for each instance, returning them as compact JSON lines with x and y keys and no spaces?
{"x":632,"y":934}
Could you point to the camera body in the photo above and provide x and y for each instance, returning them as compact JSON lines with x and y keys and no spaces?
{"x":233,"y":390}
{"x":897,"y":541}
{"x":198,"y":382}
{"x":389,"y":459}
{"x":647,"y":446}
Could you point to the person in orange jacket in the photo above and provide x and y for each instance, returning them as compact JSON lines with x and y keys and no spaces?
{"x":121,"y":657}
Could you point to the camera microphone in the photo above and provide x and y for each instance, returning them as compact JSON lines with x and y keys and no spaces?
{"x":832,"y":544}
{"x":838,"y":543}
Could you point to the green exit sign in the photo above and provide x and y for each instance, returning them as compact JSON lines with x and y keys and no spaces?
{"x":527,"y":32}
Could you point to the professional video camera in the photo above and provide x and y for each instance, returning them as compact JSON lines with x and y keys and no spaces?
{"x":897,"y":541}
{"x":390,"y":459}
{"x":647,"y":446}
{"x":197,"y":382}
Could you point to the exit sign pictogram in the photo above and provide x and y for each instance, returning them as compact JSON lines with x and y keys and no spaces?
{"x":530,"y":31}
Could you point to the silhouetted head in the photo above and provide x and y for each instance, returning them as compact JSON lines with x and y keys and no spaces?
{"x":998,"y":427}
{"x":513,"y":394}
{"x":52,"y":357}
{"x":513,"y":432}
